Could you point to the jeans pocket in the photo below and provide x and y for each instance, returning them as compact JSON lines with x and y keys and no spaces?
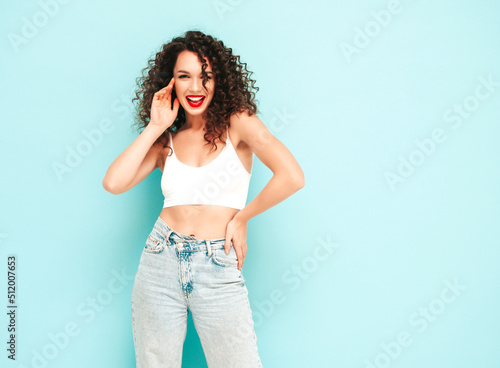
{"x":220,"y":258}
{"x":155,"y":243}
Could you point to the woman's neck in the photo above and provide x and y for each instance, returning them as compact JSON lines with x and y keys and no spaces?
{"x":195,"y":123}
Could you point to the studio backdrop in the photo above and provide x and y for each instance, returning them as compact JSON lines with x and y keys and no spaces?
{"x":388,"y":257}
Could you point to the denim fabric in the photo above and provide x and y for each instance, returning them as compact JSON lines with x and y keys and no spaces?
{"x":177,"y":273}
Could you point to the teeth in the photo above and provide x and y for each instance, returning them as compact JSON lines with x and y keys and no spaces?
{"x":197,"y":99}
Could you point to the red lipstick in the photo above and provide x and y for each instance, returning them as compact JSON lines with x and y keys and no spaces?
{"x":195,"y":100}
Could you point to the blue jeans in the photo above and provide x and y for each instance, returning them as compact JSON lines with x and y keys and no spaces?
{"x":178,"y":272}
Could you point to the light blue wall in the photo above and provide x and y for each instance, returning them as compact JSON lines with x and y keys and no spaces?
{"x":388,"y":257}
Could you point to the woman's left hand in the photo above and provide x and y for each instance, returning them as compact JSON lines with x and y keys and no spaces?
{"x":237,"y":232}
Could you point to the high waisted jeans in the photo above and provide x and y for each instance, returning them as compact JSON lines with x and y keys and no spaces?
{"x":178,"y":272}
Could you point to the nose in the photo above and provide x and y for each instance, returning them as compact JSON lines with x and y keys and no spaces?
{"x":196,"y":85}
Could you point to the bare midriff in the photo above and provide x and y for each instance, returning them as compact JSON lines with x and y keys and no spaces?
{"x":200,"y":221}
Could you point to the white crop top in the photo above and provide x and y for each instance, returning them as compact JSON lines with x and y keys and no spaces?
{"x":224,"y":181}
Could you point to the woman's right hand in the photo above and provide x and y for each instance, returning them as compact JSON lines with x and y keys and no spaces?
{"x":162,"y":115}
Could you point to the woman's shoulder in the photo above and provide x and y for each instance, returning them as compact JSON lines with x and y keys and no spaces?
{"x":243,"y":125}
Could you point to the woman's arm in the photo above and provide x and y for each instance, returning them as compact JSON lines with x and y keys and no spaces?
{"x":288,"y":176}
{"x":141,"y":157}
{"x":135,"y":163}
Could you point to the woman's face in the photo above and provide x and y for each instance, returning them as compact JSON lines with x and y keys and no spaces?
{"x":188,"y":83}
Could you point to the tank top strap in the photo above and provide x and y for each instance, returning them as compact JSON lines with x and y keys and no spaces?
{"x":170,"y":140}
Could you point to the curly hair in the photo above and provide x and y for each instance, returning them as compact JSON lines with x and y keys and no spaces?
{"x":233,"y":92}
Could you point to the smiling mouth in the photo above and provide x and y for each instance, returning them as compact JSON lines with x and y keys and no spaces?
{"x":195,"y":101}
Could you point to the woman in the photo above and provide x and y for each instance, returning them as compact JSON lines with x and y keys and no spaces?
{"x":197,"y":94}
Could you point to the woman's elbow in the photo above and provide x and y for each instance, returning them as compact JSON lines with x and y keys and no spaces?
{"x":299,"y":181}
{"x":110,"y":187}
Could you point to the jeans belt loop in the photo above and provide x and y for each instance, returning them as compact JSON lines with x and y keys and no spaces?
{"x":209,"y":248}
{"x":167,"y":238}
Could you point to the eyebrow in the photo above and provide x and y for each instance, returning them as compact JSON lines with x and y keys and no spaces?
{"x":183,"y":71}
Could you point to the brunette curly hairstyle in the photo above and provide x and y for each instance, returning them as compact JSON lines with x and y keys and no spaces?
{"x":234,"y":89}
